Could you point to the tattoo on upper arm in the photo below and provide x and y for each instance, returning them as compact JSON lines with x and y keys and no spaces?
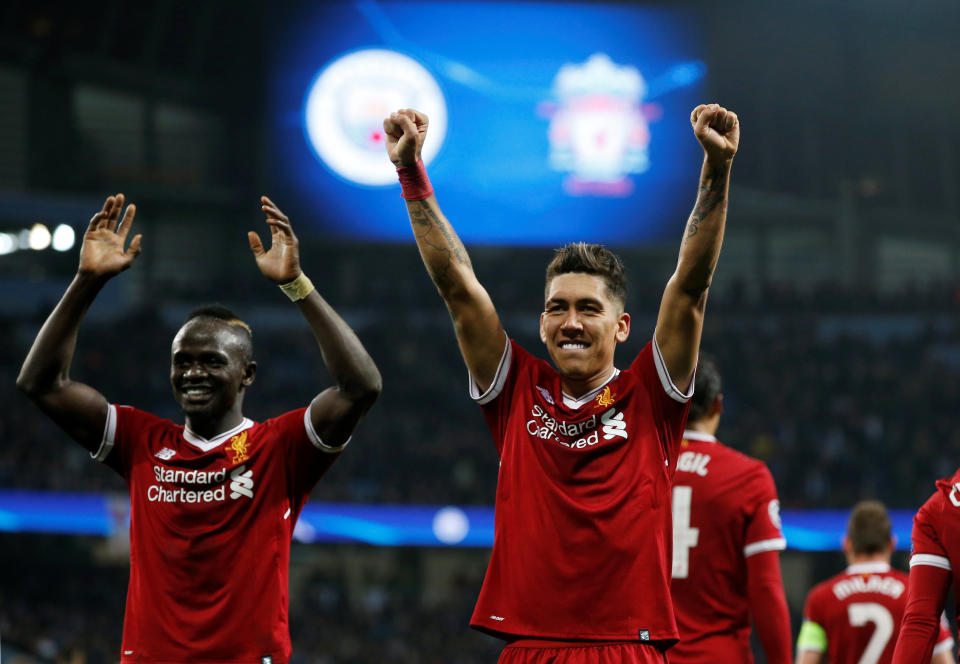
{"x":438,"y":254}
{"x":710,"y":195}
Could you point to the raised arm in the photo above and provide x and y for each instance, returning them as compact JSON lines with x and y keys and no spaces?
{"x":77,"y":408}
{"x":680,"y":322}
{"x":336,"y":411}
{"x":475,"y":321}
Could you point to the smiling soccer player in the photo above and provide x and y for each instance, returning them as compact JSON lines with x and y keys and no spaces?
{"x":580,"y":570}
{"x":213,"y":501}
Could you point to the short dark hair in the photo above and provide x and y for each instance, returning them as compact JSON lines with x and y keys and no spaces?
{"x":707,"y":387}
{"x":869,"y":528}
{"x":590,"y":259}
{"x":222,"y":313}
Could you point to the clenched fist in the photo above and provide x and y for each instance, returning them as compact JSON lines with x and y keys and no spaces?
{"x":405,"y":131}
{"x":717,"y":129}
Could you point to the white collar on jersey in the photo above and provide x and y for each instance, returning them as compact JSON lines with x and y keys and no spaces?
{"x":206,"y":445}
{"x":690,"y":434}
{"x":869,"y":568}
{"x":570,"y":402}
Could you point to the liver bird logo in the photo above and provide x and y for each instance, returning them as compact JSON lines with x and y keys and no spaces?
{"x":238,"y":445}
{"x":606,"y":399}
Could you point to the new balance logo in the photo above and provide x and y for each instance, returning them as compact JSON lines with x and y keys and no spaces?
{"x":613,"y":424}
{"x":241,"y":483}
{"x":546,"y":395}
{"x":166,"y":454}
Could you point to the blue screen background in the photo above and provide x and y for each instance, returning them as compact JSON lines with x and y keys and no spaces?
{"x":495,"y":64}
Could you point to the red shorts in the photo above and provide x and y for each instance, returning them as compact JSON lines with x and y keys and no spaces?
{"x":531,"y":651}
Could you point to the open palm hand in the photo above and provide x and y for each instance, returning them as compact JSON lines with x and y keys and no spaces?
{"x":281,"y":263}
{"x":102,"y":252}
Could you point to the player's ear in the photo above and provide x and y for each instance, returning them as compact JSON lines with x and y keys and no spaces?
{"x":543,"y":333}
{"x":249,"y":373}
{"x":893,"y":543}
{"x":623,"y":327}
{"x":718,"y":405}
{"x":847,"y":546}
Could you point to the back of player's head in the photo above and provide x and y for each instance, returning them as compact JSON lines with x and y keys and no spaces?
{"x":707,"y":388}
{"x":223,"y":314}
{"x":591,"y":259}
{"x":870,"y":528}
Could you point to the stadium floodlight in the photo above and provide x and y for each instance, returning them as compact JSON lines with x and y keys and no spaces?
{"x":63,"y":238}
{"x":39,"y":237}
{"x":8,"y":244}
{"x":451,"y":525}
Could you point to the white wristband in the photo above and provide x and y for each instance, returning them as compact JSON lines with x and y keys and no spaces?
{"x":298,"y":289}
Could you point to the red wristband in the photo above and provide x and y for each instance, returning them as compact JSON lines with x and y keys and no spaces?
{"x":414,"y":183}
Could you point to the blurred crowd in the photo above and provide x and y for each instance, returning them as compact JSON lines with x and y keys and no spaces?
{"x":827,"y":397}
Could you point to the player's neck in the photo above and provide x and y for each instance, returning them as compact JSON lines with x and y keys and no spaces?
{"x":707,"y":425}
{"x":577,"y":387}
{"x":861,"y":558}
{"x":211,"y":427}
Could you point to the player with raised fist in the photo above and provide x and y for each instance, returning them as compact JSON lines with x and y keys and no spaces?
{"x":580,"y":569}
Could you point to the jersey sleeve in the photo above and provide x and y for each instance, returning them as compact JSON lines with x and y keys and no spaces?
{"x":764,"y":531}
{"x":812,"y":634}
{"x":944,"y":638}
{"x":651,"y":354}
{"x":669,"y":403}
{"x":124,"y":434}
{"x":926,"y":597}
{"x":308,"y":457}
{"x":927,"y":548}
{"x":498,"y":398}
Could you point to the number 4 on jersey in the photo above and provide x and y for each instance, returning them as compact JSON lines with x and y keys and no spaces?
{"x":684,"y":536}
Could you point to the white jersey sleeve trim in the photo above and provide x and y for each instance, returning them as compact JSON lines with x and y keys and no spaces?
{"x":943,"y":646}
{"x":931,"y":560}
{"x":109,"y":434}
{"x":499,"y":378}
{"x":672,"y":390}
{"x":315,"y":438}
{"x":777,"y":544}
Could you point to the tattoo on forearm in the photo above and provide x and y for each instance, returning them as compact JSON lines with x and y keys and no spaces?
{"x":711,"y":194}
{"x":438,"y":252}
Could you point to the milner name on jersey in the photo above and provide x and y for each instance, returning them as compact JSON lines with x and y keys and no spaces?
{"x":884,"y":585}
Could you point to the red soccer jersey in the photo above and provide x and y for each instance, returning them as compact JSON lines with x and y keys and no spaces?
{"x":582,"y":530}
{"x":725,"y":509}
{"x":860,"y":612}
{"x":936,"y":531}
{"x":210,"y":529}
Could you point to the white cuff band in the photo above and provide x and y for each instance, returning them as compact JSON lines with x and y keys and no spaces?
{"x":315,"y":438}
{"x":109,"y":433}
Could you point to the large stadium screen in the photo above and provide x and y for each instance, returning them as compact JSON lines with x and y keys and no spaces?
{"x":549,"y":122}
